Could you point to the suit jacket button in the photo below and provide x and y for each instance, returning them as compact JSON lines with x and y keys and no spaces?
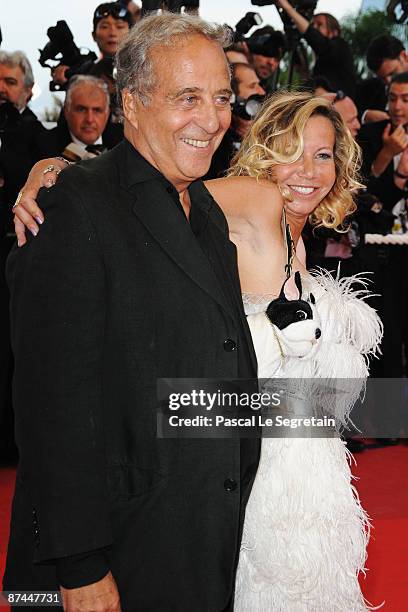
{"x":230,"y":484}
{"x":229,"y":345}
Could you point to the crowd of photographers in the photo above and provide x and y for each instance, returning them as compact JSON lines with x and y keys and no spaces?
{"x":375,"y":110}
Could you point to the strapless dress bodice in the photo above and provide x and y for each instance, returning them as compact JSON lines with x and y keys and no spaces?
{"x":256,"y":302}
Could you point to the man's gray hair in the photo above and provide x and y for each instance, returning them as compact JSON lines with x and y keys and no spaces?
{"x":18,"y":59}
{"x":86,"y":79}
{"x":134,"y":65}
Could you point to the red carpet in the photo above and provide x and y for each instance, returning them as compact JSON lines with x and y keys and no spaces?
{"x":7,"y":476}
{"x":383,"y":489}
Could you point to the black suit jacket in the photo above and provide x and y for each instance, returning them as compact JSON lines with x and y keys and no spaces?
{"x":21,"y":137}
{"x":370,"y":140}
{"x":371,"y":94}
{"x":55,"y":140}
{"x":334,"y":60}
{"x":114,"y":293}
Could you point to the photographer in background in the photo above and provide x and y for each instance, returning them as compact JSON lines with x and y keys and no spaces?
{"x":385,"y":168}
{"x":245,"y":81}
{"x":386,"y":57}
{"x":334,"y":59}
{"x":245,"y":84}
{"x":249,"y":95}
{"x":346,"y":108}
{"x":266,"y":49}
{"x":111,"y":23}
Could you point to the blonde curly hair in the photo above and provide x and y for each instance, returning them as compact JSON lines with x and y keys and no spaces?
{"x":276,"y":137}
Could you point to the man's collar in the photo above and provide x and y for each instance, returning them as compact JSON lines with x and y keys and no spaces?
{"x":137,"y":168}
{"x":82,"y":144}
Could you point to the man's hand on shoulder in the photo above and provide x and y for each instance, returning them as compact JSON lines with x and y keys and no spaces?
{"x":101,"y":596}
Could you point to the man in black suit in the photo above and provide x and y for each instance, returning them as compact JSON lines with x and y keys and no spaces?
{"x":20,"y":130}
{"x":20,"y":133}
{"x":132,"y":278}
{"x":385,"y":168}
{"x":84,"y":129}
{"x":386,"y":57}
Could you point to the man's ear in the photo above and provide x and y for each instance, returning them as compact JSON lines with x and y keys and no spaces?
{"x":403,"y":57}
{"x":93,"y":36}
{"x":29,"y":91}
{"x":130,"y":105}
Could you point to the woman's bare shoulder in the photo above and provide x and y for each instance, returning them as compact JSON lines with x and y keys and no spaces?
{"x":245,"y":195}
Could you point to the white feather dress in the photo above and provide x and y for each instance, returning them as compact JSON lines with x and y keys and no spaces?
{"x":305,"y":532}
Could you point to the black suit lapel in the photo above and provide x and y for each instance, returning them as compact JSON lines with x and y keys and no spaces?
{"x":158,"y":212}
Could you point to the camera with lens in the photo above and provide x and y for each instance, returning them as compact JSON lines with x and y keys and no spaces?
{"x":247,"y":108}
{"x":62,"y":48}
{"x":173,"y":6}
{"x":245,"y":24}
{"x":270,"y":43}
{"x":304,"y":7}
{"x":397,"y":10}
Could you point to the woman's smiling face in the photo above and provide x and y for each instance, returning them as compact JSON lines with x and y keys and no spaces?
{"x":310,"y":178}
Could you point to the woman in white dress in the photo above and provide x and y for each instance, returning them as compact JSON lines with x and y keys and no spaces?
{"x":305,"y":532}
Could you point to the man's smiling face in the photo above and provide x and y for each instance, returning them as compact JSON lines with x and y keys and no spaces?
{"x":188,"y":112}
